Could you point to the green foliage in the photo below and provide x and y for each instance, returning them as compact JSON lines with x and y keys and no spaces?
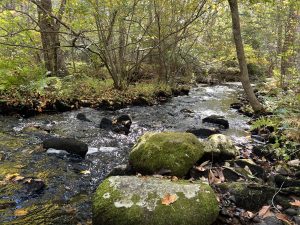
{"x":265,"y":122}
{"x":14,"y":75}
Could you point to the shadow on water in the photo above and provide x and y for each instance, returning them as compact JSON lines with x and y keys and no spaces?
{"x":70,"y":181}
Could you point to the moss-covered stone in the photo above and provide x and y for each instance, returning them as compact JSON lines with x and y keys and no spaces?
{"x":249,"y":196}
{"x":137,"y":200}
{"x":220,"y":145}
{"x":172,"y":151}
{"x":252,"y":196}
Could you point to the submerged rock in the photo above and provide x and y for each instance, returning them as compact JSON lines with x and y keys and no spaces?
{"x":105,"y":123}
{"x":120,"y":125}
{"x":236,"y":105}
{"x":220,"y":146}
{"x":121,"y":170}
{"x":70,"y":145}
{"x":203,"y":132}
{"x":82,"y":117}
{"x":218,"y":120}
{"x":125,"y":120}
{"x":139,"y":200}
{"x":173,"y":151}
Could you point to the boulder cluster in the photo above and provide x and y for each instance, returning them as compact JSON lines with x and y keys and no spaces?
{"x":158,"y":191}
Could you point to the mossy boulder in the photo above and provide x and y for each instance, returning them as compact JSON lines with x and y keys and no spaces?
{"x":123,"y":200}
{"x":252,"y":196}
{"x":220,"y":145}
{"x":174,"y":152}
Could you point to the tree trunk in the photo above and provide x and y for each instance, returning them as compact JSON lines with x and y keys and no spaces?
{"x":288,"y":53}
{"x":53,"y":55}
{"x":255,"y":104}
{"x":279,"y":31}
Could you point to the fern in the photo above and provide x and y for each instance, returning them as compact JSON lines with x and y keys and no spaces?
{"x":265,"y":122}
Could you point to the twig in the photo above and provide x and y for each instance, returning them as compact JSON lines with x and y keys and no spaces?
{"x":275,"y":196}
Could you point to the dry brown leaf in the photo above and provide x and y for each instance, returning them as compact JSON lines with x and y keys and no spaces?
{"x":283,"y":218}
{"x":221,"y":175}
{"x":18,"y":178}
{"x":295,"y":203}
{"x":20,"y":212}
{"x":264,"y":211}
{"x":201,"y":167}
{"x":11,"y":176}
{"x":248,"y":214}
{"x":211,"y":177}
{"x":169,"y":199}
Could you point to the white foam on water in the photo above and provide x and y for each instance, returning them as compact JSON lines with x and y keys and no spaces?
{"x":56,"y":151}
{"x":92,"y":150}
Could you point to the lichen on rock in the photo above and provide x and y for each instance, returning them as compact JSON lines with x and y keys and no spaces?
{"x":221,"y":145}
{"x":138,"y":200}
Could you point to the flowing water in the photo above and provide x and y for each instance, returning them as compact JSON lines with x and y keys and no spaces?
{"x":70,"y":181}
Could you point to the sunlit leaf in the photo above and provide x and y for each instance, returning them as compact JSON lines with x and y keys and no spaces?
{"x":20,"y":212}
{"x":169,"y":199}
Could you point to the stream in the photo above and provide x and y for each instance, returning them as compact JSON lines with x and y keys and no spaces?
{"x":70,"y":181}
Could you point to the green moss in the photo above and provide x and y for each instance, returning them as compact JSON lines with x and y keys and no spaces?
{"x":8,"y":168}
{"x":249,"y":196}
{"x":47,"y":213}
{"x":141,"y":202}
{"x":10,"y":142}
{"x":104,"y":208}
{"x":172,"y":151}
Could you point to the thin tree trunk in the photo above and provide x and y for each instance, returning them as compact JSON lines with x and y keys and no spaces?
{"x":279,"y":31}
{"x":53,"y":55}
{"x":255,"y":104}
{"x":287,"y":55}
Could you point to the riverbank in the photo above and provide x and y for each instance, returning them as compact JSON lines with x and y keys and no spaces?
{"x":60,"y":95}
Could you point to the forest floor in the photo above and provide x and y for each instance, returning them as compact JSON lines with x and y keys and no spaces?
{"x":262,"y":185}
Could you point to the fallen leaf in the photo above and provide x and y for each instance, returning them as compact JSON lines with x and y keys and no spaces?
{"x":248,"y":214}
{"x":202,"y":167}
{"x":169,"y":199}
{"x":211,"y":177}
{"x":248,"y":170}
{"x":264,"y":211}
{"x":20,"y":212}
{"x":283,"y":218}
{"x":11,"y":176}
{"x":295,"y":203}
{"x":18,"y":178}
{"x":221,"y":175}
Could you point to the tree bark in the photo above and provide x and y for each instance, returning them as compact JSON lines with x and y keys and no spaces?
{"x":288,"y":53}
{"x":255,"y":104}
{"x":53,"y":55}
